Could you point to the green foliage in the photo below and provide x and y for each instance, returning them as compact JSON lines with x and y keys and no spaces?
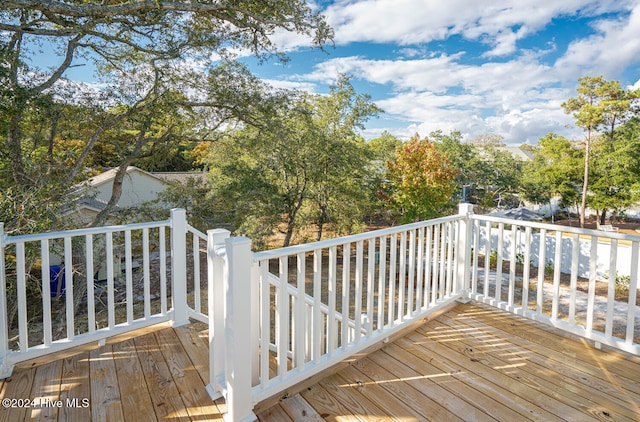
{"x":601,"y":106}
{"x":493,"y":258}
{"x":298,"y":164}
{"x":616,"y":169}
{"x":622,"y":282}
{"x":549,"y":267}
{"x":486,"y":171}
{"x":339,"y":175}
{"x":153,"y":104}
{"x":379,"y":151}
{"x":421,"y":180}
{"x":554,"y":170}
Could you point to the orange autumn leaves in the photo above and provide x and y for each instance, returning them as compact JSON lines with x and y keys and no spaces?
{"x":420,"y":180}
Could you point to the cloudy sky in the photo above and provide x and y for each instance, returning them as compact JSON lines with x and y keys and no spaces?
{"x":500,"y":66}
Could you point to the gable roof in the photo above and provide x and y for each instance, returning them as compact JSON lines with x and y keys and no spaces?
{"x":182,"y":176}
{"x":110,"y":174}
{"x":518,"y":152}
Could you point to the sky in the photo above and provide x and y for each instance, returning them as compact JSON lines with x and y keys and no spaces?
{"x":479,"y":67}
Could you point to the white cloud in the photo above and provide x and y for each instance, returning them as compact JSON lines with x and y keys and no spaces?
{"x":518,"y":99}
{"x":408,"y":22}
{"x":502,"y":88}
{"x":295,"y":85}
{"x":612,"y":49}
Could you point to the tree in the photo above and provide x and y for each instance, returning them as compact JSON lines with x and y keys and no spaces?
{"x":487,"y":173}
{"x":422,"y":180}
{"x":339,"y":174}
{"x":615,"y":170}
{"x":380,"y":151}
{"x":304,"y":166}
{"x":601,"y":106}
{"x":463,"y":157}
{"x":142,"y":51}
{"x":261,"y":175}
{"x":554,"y":170}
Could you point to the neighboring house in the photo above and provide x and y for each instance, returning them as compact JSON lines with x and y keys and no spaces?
{"x":518,"y":153}
{"x":138,"y":187}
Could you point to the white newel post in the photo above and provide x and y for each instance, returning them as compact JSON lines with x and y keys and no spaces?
{"x":238,"y":330}
{"x":179,"y":266}
{"x":463,"y":255}
{"x":217,"y":274}
{"x":5,"y":368}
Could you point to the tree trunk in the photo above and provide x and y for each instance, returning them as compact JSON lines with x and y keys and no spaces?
{"x":319,"y":234}
{"x":321,"y":222}
{"x":288,"y":235}
{"x":603,"y":217}
{"x":585,"y":183}
{"x":14,"y":145}
{"x":116,"y":193}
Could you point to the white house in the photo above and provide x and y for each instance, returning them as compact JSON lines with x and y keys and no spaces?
{"x":138,"y":187}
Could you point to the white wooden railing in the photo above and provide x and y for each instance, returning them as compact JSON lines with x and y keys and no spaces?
{"x":95,"y":283}
{"x":279,"y":317}
{"x":290,"y":313}
{"x":559,"y":259}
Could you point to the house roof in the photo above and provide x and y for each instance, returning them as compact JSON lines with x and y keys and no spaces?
{"x":182,"y":176}
{"x":90,"y":202}
{"x":517,"y":152}
{"x":110,"y":174}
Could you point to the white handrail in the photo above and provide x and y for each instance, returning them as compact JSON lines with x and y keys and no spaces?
{"x":389,"y":263}
{"x":308,"y":247}
{"x":103,"y":253}
{"x":83,"y":232}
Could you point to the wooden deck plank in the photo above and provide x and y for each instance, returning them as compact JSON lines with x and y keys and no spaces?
{"x":363,"y":408}
{"x":471,"y":363}
{"x":299,"y":410}
{"x":504,"y":387}
{"x":327,"y":406}
{"x":622,"y":364}
{"x":17,"y":387}
{"x":392,"y":405}
{"x":575,"y":390}
{"x":275,"y":413}
{"x":585,"y":361}
{"x":455,"y":381}
{"x":428,"y":383}
{"x":75,"y":386}
{"x":135,"y":398}
{"x":46,"y":391}
{"x":413,"y":398}
{"x":105,"y":394}
{"x":485,"y":352}
{"x":195,"y":340}
{"x":190,"y":386}
{"x":162,"y":388}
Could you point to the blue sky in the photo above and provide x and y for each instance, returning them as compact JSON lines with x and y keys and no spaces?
{"x":501,"y":66}
{"x":477,"y":66}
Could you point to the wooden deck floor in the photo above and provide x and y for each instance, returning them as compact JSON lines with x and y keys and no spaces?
{"x":476,"y":363}
{"x":471,"y":363}
{"x":159,"y":374}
